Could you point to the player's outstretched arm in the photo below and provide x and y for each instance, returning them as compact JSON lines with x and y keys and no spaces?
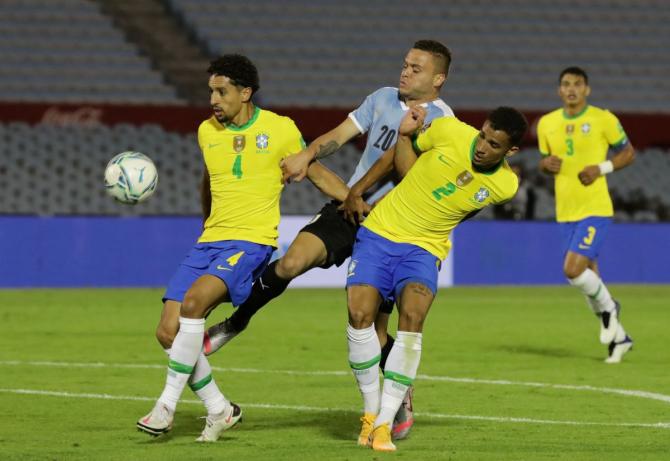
{"x":355,"y":208}
{"x":295,"y":166}
{"x":327,"y":182}
{"x":621,"y":159}
{"x":205,"y":196}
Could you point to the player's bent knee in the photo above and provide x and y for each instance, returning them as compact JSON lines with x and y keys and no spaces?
{"x":360,"y":319}
{"x":290,"y":266}
{"x":411,"y":321}
{"x":165,"y":336}
{"x":572,"y":272}
{"x":192,"y":307}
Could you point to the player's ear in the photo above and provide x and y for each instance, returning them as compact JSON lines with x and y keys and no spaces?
{"x":246,"y":94}
{"x":439,"y":79}
{"x":588,"y":91}
{"x":511,"y":151}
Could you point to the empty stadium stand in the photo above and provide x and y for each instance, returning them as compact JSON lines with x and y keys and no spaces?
{"x":69,"y":51}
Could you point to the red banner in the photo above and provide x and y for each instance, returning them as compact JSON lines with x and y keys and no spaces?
{"x":644,"y":130}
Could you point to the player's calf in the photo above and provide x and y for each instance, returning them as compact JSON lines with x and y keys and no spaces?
{"x":220,"y":334}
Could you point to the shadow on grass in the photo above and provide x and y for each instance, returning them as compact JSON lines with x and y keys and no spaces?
{"x":540,"y":351}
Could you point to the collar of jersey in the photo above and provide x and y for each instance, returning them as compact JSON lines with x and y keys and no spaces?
{"x":472,"y":160}
{"x":404,"y":106}
{"x":572,"y":117}
{"x":250,"y":122}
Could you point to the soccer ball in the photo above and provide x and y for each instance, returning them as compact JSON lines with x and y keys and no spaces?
{"x":131,"y":177}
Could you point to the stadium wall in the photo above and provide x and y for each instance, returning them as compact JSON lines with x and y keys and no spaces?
{"x":118,"y":252}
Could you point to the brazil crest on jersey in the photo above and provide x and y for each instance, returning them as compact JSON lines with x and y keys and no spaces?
{"x":440,"y":189}
{"x":580,"y":141}
{"x":379,"y":116}
{"x":244,"y":174}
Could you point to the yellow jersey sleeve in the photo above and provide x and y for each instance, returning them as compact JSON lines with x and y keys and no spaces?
{"x":613,"y":131}
{"x":543,"y":145}
{"x":294,"y":140}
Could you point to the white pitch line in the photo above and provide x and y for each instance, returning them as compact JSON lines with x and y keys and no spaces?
{"x":269,"y":406}
{"x":496,"y":382}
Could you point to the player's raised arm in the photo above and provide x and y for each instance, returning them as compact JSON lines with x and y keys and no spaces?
{"x":404,"y":150}
{"x":327,"y":182}
{"x":295,"y":166}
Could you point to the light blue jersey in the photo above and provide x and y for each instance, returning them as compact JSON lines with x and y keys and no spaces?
{"x":379,"y":116}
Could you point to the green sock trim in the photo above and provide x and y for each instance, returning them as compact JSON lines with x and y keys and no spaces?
{"x":593,"y":296}
{"x":365,"y":365}
{"x":202,"y":383}
{"x":180,"y":367}
{"x":398,"y":378}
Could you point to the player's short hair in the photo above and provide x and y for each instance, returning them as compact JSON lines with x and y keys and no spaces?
{"x":511,"y":121}
{"x":440,"y":52}
{"x":239,"y":69}
{"x":574,"y":70}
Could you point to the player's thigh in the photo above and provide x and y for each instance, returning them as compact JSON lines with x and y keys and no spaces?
{"x":414,"y":303}
{"x":206,"y":292}
{"x":305,"y":252}
{"x":335,"y":233}
{"x":168,"y":326}
{"x":362,"y":302}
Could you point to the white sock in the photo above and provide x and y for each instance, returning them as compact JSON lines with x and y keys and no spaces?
{"x":364,"y":356}
{"x":592,"y":286}
{"x":620,"y":334}
{"x":184,"y":354}
{"x":401,"y":367}
{"x":202,"y":383}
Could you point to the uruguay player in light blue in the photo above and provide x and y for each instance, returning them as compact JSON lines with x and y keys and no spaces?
{"x":328,"y":239}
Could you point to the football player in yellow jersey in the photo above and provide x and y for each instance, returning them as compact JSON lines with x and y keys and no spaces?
{"x":400,"y":246}
{"x":242,"y":147}
{"x":574,"y":141}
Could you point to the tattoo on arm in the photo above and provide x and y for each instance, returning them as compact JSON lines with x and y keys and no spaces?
{"x":327,"y":149}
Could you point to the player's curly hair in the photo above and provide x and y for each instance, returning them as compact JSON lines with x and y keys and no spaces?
{"x":511,"y":121}
{"x":439,"y":51}
{"x":574,"y":70}
{"x":239,"y":69}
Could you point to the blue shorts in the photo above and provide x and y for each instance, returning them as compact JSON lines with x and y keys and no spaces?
{"x":389,"y":266}
{"x":238,"y":263}
{"x":585,"y":237}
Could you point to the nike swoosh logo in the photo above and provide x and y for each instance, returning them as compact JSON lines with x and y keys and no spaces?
{"x":214,"y":145}
{"x":583,"y":247}
{"x":221,"y":268}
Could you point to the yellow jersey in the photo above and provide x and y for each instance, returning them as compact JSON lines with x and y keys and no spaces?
{"x":579,"y":141}
{"x":440,"y":189}
{"x":245,"y":177}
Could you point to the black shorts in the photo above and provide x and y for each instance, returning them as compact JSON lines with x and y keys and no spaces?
{"x":336,"y":233}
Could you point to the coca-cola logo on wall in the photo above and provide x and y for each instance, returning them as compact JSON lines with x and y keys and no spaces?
{"x":82,"y":116}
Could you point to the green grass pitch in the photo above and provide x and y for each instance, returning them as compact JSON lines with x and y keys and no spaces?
{"x":506,"y":374}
